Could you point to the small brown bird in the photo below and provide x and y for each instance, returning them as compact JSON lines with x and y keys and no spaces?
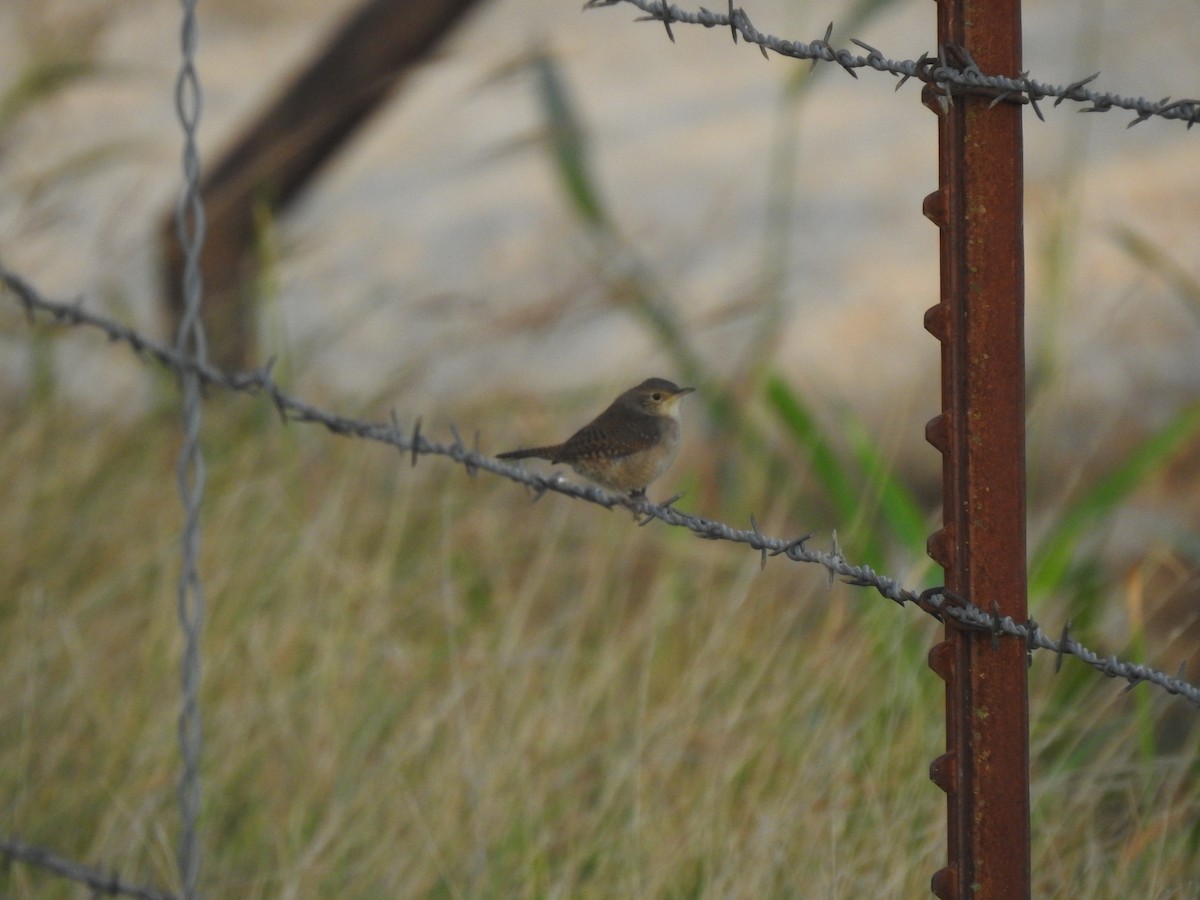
{"x":628,"y":445}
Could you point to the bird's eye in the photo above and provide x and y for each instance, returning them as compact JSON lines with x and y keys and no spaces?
{"x":656,"y":396}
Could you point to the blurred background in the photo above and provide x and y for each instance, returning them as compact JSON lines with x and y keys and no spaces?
{"x":553,"y":206}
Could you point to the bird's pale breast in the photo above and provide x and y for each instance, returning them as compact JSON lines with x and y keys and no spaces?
{"x":636,"y":470}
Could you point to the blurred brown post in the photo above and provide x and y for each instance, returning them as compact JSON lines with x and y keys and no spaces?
{"x":981,"y":434}
{"x":286,"y":145}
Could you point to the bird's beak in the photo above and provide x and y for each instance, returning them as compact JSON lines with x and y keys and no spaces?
{"x":683,"y":391}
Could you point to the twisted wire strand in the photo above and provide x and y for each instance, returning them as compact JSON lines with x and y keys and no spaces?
{"x":951,"y":70}
{"x":937,"y":602}
{"x":190,"y":346}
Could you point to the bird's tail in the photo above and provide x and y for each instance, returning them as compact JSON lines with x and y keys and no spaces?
{"x":550,"y":453}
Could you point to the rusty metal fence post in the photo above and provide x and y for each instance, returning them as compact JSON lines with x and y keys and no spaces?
{"x":981,"y":434}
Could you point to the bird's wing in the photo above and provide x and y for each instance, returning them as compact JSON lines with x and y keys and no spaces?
{"x":605,"y":438}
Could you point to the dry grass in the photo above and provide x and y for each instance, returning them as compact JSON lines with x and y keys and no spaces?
{"x":419,"y":685}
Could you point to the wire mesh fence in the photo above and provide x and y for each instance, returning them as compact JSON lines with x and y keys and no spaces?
{"x":952,"y":71}
{"x":190,"y":471}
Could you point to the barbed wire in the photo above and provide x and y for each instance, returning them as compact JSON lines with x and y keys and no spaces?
{"x":937,"y":602}
{"x":190,"y":345}
{"x":952,"y":70}
{"x":100,"y":882}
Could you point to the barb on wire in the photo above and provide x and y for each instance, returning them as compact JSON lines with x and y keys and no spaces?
{"x":99,"y":882}
{"x":964,"y":78}
{"x":937,"y":602}
{"x":190,"y":344}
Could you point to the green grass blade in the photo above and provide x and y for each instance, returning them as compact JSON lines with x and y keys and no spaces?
{"x":1052,"y":560}
{"x":900,"y":510}
{"x":568,"y":141}
{"x":41,"y":81}
{"x":799,"y":422}
{"x":859,"y":487}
